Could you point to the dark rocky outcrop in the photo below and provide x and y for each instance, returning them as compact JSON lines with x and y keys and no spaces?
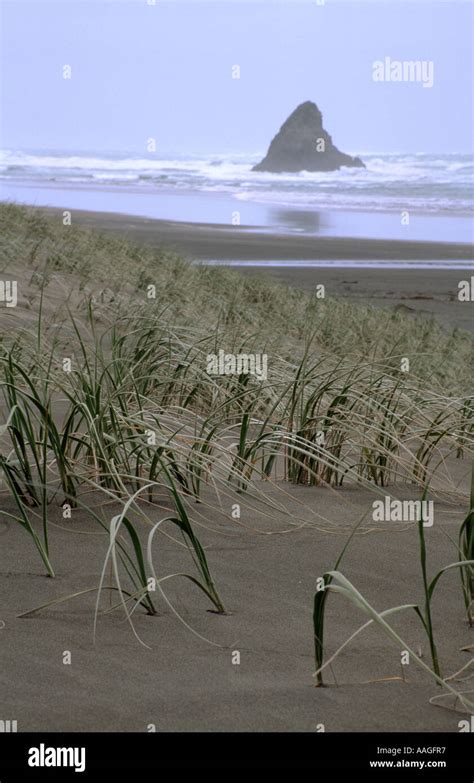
{"x":302,"y":144}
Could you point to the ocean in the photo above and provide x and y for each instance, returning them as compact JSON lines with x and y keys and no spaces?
{"x":434,"y":192}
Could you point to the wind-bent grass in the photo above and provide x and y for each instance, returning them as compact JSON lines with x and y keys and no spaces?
{"x":342,"y":586}
{"x":466,"y":553}
{"x":107,"y":398}
{"x":345,"y":588}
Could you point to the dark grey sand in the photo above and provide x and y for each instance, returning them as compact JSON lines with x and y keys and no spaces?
{"x":208,"y":241}
{"x":267,"y":582}
{"x":430,"y":291}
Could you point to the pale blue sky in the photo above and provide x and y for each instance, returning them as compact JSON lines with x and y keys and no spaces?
{"x":165,"y":71}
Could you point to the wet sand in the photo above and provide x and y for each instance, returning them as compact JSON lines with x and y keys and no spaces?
{"x":207,"y":241}
{"x":431,"y":291}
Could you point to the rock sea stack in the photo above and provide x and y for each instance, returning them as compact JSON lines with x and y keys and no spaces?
{"x":302,"y":144}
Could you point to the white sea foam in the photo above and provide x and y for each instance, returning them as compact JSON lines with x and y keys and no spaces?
{"x":418,"y":181}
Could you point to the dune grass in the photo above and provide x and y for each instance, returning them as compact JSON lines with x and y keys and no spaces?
{"x":106,"y":397}
{"x":335,"y":582}
{"x":466,"y":553}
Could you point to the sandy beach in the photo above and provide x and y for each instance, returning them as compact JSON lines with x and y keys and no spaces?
{"x":431,"y":291}
{"x":177,"y":670}
{"x":208,"y":241}
{"x":236,"y":389}
{"x":267,"y":580}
